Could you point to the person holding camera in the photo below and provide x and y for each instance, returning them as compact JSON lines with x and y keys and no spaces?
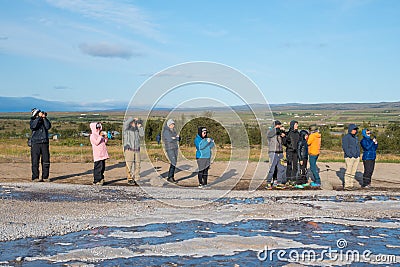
{"x":171,"y":139}
{"x":203,"y":145}
{"x":369,"y":146}
{"x":133,"y":131}
{"x":275,"y":153}
{"x":98,"y":139}
{"x":40,"y":126}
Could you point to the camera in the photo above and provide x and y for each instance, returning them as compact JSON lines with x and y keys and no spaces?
{"x":138,"y":121}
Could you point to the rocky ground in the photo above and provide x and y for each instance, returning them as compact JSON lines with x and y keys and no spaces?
{"x":69,"y":203}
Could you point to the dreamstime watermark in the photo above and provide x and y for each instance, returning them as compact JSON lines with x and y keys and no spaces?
{"x":339,"y":254}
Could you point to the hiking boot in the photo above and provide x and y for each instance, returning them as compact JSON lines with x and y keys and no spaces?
{"x":132,"y":182}
{"x":172,"y":180}
{"x":349,"y":189}
{"x":280,"y":186}
{"x":269,"y":186}
{"x":101,"y":182}
{"x":314,"y":184}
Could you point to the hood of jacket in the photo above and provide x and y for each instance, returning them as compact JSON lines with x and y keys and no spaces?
{"x":364,"y":134}
{"x":93,"y":128}
{"x":200,"y":130}
{"x":303,"y":134}
{"x":351,"y":127}
{"x":292,"y":123}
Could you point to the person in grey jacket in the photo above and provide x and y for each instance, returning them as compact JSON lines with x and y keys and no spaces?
{"x":40,"y":127}
{"x":351,"y":151}
{"x":170,"y":139}
{"x":275,"y":153}
{"x":133,"y":131}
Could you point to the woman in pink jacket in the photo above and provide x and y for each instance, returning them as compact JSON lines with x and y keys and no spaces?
{"x":98,"y":141}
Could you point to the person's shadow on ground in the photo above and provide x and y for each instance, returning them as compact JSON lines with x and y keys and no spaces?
{"x":225,"y":176}
{"x":342,"y":172}
{"x":62,"y":177}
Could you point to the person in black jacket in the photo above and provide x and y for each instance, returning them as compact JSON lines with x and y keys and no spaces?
{"x":302,"y":153}
{"x":290,"y":141}
{"x":171,"y":139}
{"x":40,"y":127}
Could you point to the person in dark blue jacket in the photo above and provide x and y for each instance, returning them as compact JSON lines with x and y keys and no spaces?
{"x":351,"y":151}
{"x":369,"y":146}
{"x":203,"y":145}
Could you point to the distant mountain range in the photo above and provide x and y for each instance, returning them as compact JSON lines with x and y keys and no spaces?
{"x":25,"y":104}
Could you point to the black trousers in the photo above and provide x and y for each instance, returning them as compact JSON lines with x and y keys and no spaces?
{"x":98,"y":170}
{"x":302,"y":178}
{"x":203,"y":165}
{"x":369,"y":166}
{"x":40,"y":151}
{"x":291,"y":168}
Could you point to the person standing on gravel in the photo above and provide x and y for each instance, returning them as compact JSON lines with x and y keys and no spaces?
{"x":291,"y":141}
{"x":302,"y":154}
{"x":98,"y":139}
{"x":39,"y":142}
{"x":203,"y":145}
{"x":170,"y":139}
{"x":275,"y":153}
{"x":314,"y":148}
{"x":351,"y":151}
{"x":133,"y":131}
{"x":369,"y":146}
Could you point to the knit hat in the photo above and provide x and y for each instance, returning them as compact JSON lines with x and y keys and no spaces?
{"x":170,"y":121}
{"x":200,"y":130}
{"x":35,"y":111}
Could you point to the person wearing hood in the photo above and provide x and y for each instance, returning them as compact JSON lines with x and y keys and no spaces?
{"x":314,"y":148}
{"x":291,"y":141}
{"x":171,"y":139}
{"x":133,"y":131}
{"x":275,"y":153}
{"x":98,"y":139}
{"x":302,"y":154}
{"x":351,"y":151}
{"x":40,"y":127}
{"x":369,"y":146}
{"x":203,"y":145}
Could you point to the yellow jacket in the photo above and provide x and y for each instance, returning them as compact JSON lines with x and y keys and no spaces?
{"x":314,"y":144}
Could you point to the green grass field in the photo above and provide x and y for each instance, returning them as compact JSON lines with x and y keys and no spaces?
{"x":14,"y":129}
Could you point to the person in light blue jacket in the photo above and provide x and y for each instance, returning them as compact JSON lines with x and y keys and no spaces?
{"x":369,"y":146}
{"x":203,"y":145}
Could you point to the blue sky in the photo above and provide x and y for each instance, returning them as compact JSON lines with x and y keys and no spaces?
{"x":308,"y":51}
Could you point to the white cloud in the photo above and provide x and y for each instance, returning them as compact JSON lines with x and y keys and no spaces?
{"x":123,"y":14}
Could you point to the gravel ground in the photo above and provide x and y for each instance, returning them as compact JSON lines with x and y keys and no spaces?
{"x":43,"y":209}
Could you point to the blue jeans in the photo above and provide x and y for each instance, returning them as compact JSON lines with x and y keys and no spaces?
{"x":275,"y":162}
{"x":313,"y":168}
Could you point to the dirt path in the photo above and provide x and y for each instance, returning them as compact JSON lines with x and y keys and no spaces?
{"x":222,"y":175}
